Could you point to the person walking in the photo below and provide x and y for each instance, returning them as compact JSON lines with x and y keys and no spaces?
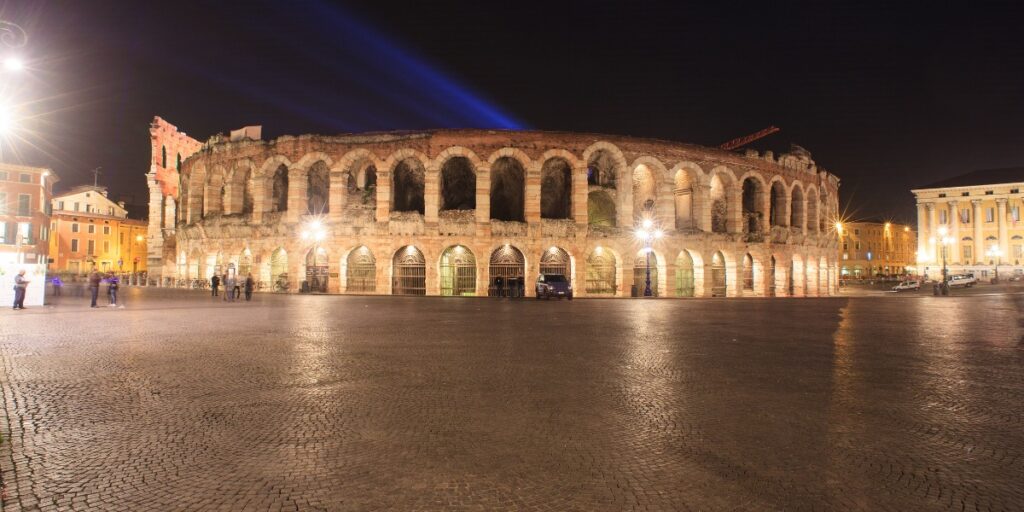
{"x":249,"y":284}
{"x":229,"y":286}
{"x":57,"y":285}
{"x":20,"y":285}
{"x":112,"y":285}
{"x":214,"y":283}
{"x":94,"y":286}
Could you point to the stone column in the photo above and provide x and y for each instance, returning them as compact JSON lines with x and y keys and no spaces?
{"x":483,"y":205}
{"x":701,"y":207}
{"x":1004,"y":235}
{"x":431,"y":196}
{"x":979,"y":237}
{"x":781,"y":280}
{"x":155,"y":230}
{"x":933,"y":224}
{"x":624,"y":199}
{"x":337,"y":196}
{"x":954,"y":231}
{"x":259,"y":203}
{"x":803,"y":216}
{"x":531,"y":202}
{"x":384,"y":201}
{"x":579,"y":195}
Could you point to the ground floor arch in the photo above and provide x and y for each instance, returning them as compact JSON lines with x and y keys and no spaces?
{"x":457,"y":271}
{"x":601,"y":272}
{"x":556,"y":260}
{"x":360,"y":271}
{"x":279,"y":270}
{"x":646,"y":260}
{"x":506,"y":272}
{"x":316,"y":274}
{"x":409,"y":272}
{"x":719,"y":283}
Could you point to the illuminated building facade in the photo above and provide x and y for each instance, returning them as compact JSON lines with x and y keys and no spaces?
{"x":870,"y":249}
{"x":88,"y":229}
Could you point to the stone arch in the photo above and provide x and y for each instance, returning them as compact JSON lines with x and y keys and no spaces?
{"x":506,"y":271}
{"x":601,"y":208}
{"x":797,"y":276}
{"x":240,"y":187}
{"x":747,"y":274}
{"x":647,"y":177}
{"x":644,"y":260}
{"x":605,"y":164}
{"x":508,"y":188}
{"x":689,"y":279}
{"x":315,"y":269}
{"x":245,"y":263}
{"x":719,"y":199}
{"x":778,"y":201}
{"x":796,"y":205}
{"x":309,"y":159}
{"x":753,"y":203}
{"x":556,"y":188}
{"x":602,"y":272}
{"x":457,"y":271}
{"x":278,"y":263}
{"x":318,"y":188}
{"x":556,"y":260}
{"x":823,"y":209}
{"x":458,"y":183}
{"x":279,"y":189}
{"x":718,"y":275}
{"x":685,"y":176}
{"x":408,"y":181}
{"x":214,"y":191}
{"x":360,"y":271}
{"x":359,"y":171}
{"x":409,"y":272}
{"x":812,"y":209}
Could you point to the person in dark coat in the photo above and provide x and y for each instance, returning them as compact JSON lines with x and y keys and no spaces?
{"x":94,"y":285}
{"x":214,"y":283}
{"x":20,"y":285}
{"x":112,"y":285}
{"x":249,"y":284}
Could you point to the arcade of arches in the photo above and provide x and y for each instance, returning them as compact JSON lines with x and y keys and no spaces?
{"x":484,"y":213}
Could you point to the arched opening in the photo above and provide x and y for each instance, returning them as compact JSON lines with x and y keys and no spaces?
{"x":823,"y":212}
{"x":684,"y":275}
{"x":214,"y":192}
{"x":316,"y":270}
{"x":645,"y":266}
{"x":778,"y":204}
{"x":645,"y":193}
{"x":719,"y":206}
{"x":508,"y":188}
{"x":601,"y":272}
{"x":796,"y":211}
{"x":279,"y":190}
{"x":245,"y":264}
{"x":748,"y":273}
{"x":555,"y":189}
{"x":196,"y":266}
{"x":507,"y":272}
{"x":241,"y":191}
{"x":556,"y":261}
{"x":279,"y":270}
{"x":408,"y":186}
{"x":600,"y":208}
{"x":318,"y":185}
{"x":163,"y":156}
{"x":771,"y":277}
{"x":718,"y":283}
{"x":458,"y":272}
{"x":812,"y":211}
{"x":753,"y":214}
{"x":683,"y":192}
{"x":361,"y":271}
{"x":361,"y":184}
{"x":601,"y":170}
{"x":458,"y":184}
{"x":409,"y":269}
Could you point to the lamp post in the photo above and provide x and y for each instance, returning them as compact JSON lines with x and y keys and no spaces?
{"x":995,"y":252}
{"x":945,"y":240}
{"x":648,"y":235}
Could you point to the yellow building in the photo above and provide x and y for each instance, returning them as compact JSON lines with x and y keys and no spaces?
{"x":973,"y":222}
{"x":88,"y":229}
{"x":869,"y":249}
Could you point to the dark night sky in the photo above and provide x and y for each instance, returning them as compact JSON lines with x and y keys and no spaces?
{"x":886,"y":96}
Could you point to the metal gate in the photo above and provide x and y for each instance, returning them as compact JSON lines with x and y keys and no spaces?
{"x":601,"y":274}
{"x":718,"y":285}
{"x":245,"y":265}
{"x":640,"y":265}
{"x":316,"y":270}
{"x":555,"y":261}
{"x":507,"y":272}
{"x":748,"y":272}
{"x":410,"y":272}
{"x":771,"y":278}
{"x":684,"y":275}
{"x":458,"y":271}
{"x":361,"y":273}
{"x":279,"y":271}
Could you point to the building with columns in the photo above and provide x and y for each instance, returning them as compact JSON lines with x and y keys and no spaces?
{"x":469,"y":212}
{"x":974,"y":220}
{"x":875,"y":248}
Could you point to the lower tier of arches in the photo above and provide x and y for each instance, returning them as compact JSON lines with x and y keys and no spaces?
{"x":673,"y":267}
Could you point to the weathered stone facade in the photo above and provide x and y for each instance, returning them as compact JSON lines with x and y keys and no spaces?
{"x":448,"y":211}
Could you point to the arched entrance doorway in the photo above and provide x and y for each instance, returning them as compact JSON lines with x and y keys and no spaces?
{"x":507,"y":272}
{"x":458,"y":271}
{"x":718,"y":284}
{"x":748,"y":273}
{"x":601,"y":273}
{"x":645,"y":259}
{"x":684,"y":275}
{"x":555,"y":261}
{"x":409,"y":271}
{"x":361,"y":271}
{"x":316,"y":270}
{"x":279,"y":270}
{"x":771,"y":278}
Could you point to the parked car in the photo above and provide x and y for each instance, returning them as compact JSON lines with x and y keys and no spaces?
{"x":1016,"y":277}
{"x":907,"y":285}
{"x":553,"y":285}
{"x":962,"y":280}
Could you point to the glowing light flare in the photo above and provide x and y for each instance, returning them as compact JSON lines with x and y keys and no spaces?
{"x":13,"y":63}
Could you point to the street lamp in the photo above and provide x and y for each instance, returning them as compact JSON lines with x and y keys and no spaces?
{"x":997,"y":253}
{"x":945,"y":240}
{"x":647,"y":234}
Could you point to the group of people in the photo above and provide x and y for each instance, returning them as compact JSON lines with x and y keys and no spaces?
{"x":232,"y":286}
{"x":95,"y":280}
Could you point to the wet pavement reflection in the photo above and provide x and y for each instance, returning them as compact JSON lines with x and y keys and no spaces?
{"x":385,"y":403}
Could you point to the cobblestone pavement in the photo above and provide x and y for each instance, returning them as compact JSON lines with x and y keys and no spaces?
{"x":181,"y":402}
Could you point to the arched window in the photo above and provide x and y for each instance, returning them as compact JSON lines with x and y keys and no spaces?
{"x":279,"y":190}
{"x":408,"y":186}
{"x":507,"y":272}
{"x":458,"y":185}
{"x":318,"y":189}
{"x":684,"y":275}
{"x":718,"y":283}
{"x":556,"y":189}
{"x":601,"y":273}
{"x":508,"y":189}
{"x":361,"y":271}
{"x":458,"y":271}
{"x":555,"y":261}
{"x":748,"y":272}
{"x":409,"y":271}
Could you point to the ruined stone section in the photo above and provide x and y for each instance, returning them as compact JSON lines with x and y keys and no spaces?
{"x":169,"y":148}
{"x":734,"y":225}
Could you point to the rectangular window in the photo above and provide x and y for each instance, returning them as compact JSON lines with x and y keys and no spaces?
{"x":25,"y":232}
{"x":74,"y":245}
{"x":857,"y":246}
{"x":92,"y":229}
{"x":76,"y":206}
{"x":25,"y":178}
{"x":967,"y":253}
{"x":965,"y":216}
{"x":121,"y":238}
{"x":942,"y":216}
{"x":856,"y":231}
{"x":988,"y":192}
{"x":44,"y":233}
{"x":1015,"y":214}
{"x":3,"y":203}
{"x":106,"y":246}
{"x":1018,"y":252}
{"x":92,"y":248}
{"x":965,"y":194}
{"x":106,"y":230}
{"x":990,"y":214}
{"x":60,"y":205}
{"x":942,"y":194}
{"x":74,"y":227}
{"x":24,"y":202}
